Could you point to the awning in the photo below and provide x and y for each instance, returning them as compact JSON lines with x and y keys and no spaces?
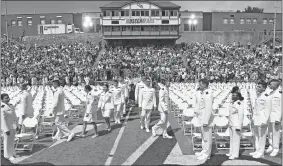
{"x":142,"y":37}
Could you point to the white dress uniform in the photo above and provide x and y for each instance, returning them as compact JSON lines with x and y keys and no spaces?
{"x":25,"y":106}
{"x":119,"y":100}
{"x":275,"y":116}
{"x":59,"y":111}
{"x":261,"y":116}
{"x":106,"y":103}
{"x":147,"y":100}
{"x":92,"y":99}
{"x":138,"y":88}
{"x":203,"y":109}
{"x":8,"y":123}
{"x":236,"y":118}
{"x":125,"y":92}
{"x":163,"y":109}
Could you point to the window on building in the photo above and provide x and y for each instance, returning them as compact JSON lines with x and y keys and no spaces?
{"x":163,"y":12}
{"x":115,"y":28}
{"x":254,"y":20}
{"x":124,"y":28}
{"x":146,"y":13}
{"x":133,"y":13}
{"x":264,"y":21}
{"x":104,"y":13}
{"x":20,"y":22}
{"x":165,"y":21}
{"x":115,"y":13}
{"x":13,"y":23}
{"x":125,"y":13}
{"x":225,"y":20}
{"x":248,"y":21}
{"x":115,"y":22}
{"x":271,"y":21}
{"x":138,"y":13}
{"x":167,"y":13}
{"x":175,"y":13}
{"x":242,"y":21}
{"x":29,"y":21}
{"x":136,"y":28}
{"x":155,"y":13}
{"x":232,"y":21}
{"x":107,"y":29}
{"x":108,"y":13}
{"x":232,"y":16}
{"x":186,"y":27}
{"x":142,"y":13}
{"x":154,"y":28}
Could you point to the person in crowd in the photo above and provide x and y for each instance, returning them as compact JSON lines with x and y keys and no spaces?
{"x":91,"y":109}
{"x":147,"y":103}
{"x":236,"y":118}
{"x":261,"y":117}
{"x":25,"y":104}
{"x":203,"y":111}
{"x":58,"y":110}
{"x":163,"y":109}
{"x":274,"y":124}
{"x":119,"y":100}
{"x":9,"y":125}
{"x":106,"y":105}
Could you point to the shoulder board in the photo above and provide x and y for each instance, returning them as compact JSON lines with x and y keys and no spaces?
{"x":239,"y":103}
{"x":2,"y":106}
{"x":266,"y":95}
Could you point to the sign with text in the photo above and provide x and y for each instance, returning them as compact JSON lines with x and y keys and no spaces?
{"x":140,"y":21}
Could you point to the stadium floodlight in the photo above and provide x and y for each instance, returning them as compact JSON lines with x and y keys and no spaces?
{"x":190,"y":21}
{"x":87,"y":19}
{"x":195,"y":22}
{"x":192,"y":16}
{"x":85,"y":24}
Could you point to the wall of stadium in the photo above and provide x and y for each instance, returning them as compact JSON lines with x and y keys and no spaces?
{"x":225,"y":37}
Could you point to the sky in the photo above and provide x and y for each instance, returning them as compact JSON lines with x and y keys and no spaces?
{"x":28,"y":7}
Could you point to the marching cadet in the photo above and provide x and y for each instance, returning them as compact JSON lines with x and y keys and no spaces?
{"x":138,"y":88}
{"x":275,"y":118}
{"x":9,"y":125}
{"x":34,"y":81}
{"x":119,"y":100}
{"x":203,"y":111}
{"x":163,"y":109}
{"x":58,"y":111}
{"x":124,"y":89}
{"x":147,"y":103}
{"x":236,"y":118}
{"x":260,"y":119}
{"x":25,"y":105}
{"x":91,"y":107}
{"x":106,"y":105}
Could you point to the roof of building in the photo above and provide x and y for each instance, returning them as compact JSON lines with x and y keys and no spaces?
{"x":161,"y":4}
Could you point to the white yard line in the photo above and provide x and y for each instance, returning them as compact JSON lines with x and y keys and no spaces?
{"x":133,"y":158}
{"x":114,"y":148}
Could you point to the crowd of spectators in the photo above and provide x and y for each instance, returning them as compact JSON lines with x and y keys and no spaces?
{"x":186,"y":62}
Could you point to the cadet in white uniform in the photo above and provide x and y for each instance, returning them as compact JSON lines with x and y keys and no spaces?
{"x":147,"y":102}
{"x":91,"y":108}
{"x":106,"y":105}
{"x":138,"y":88}
{"x":59,"y":111}
{"x":25,"y":104}
{"x":236,"y":117}
{"x":261,"y":117}
{"x":203,"y":111}
{"x":275,"y":118}
{"x":119,"y":100}
{"x":124,"y":89}
{"x":163,"y":109}
{"x":9,"y":125}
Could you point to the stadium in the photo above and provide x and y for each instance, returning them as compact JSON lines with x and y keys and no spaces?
{"x":128,"y":85}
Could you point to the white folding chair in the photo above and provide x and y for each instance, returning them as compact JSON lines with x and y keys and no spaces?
{"x":187,"y":117}
{"x":26,"y":139}
{"x":46,"y":125}
{"x":247,"y":136}
{"x":221,"y":132}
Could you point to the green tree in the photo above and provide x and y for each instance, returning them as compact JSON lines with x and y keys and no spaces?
{"x":250,"y":9}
